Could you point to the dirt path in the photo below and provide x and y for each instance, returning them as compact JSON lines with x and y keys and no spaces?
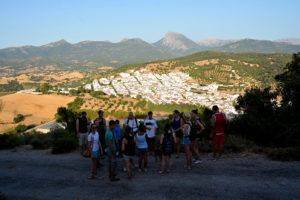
{"x":36,"y":174}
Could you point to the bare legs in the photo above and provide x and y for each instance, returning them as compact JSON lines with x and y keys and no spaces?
{"x":188,"y":155}
{"x":195,"y":149}
{"x":165,"y":164}
{"x":177,"y":146}
{"x":143,"y":156}
{"x":129,"y":167}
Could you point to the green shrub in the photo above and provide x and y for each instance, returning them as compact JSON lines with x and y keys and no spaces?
{"x":284,"y":154}
{"x":63,"y":142}
{"x":41,"y":141}
{"x":161,"y":125}
{"x":238,"y":144}
{"x":21,"y":128}
{"x":10,"y":140}
{"x":76,"y":104}
{"x":18,"y":118}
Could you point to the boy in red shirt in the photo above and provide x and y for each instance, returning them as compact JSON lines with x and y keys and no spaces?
{"x":219,"y":123}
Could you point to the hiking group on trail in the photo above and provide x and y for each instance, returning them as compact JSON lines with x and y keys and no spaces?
{"x":140,"y":138}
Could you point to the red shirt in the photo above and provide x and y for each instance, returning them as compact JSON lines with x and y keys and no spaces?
{"x":220,"y":123}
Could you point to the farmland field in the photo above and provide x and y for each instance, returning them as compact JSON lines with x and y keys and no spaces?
{"x":36,"y":108}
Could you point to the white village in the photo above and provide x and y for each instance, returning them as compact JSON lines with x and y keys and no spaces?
{"x":174,"y":87}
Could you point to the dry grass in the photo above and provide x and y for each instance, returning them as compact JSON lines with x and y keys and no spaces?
{"x":46,"y":76}
{"x":36,"y":108}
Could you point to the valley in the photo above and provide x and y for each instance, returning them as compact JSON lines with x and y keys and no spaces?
{"x":201,"y":79}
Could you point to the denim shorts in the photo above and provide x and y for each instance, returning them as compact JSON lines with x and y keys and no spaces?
{"x":142,"y":150}
{"x":186,"y":140}
{"x":95,"y":154}
{"x":127,"y":158}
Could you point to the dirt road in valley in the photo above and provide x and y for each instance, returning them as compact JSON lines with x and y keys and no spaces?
{"x":37,"y":174}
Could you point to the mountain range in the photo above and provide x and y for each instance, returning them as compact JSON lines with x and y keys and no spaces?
{"x":63,"y":54}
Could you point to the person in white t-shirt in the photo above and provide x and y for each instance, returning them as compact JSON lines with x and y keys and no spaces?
{"x":151,"y":125}
{"x":131,"y":122}
{"x":95,"y":149}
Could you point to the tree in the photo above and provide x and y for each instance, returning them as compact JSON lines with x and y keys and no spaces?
{"x":289,"y":87}
{"x":68,"y":116}
{"x":263,"y":120}
{"x":44,"y":88}
{"x":257,"y":101}
{"x":289,"y":84}
{"x":18,"y":118}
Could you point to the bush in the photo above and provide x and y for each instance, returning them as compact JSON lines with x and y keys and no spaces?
{"x":237,"y":144}
{"x":21,"y":128}
{"x":76,"y":104}
{"x":63,"y":142}
{"x":10,"y":140}
{"x":18,"y":118}
{"x":40,"y":141}
{"x":284,"y":154}
{"x":161,"y":125}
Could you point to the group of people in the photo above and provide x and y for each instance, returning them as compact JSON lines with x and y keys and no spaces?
{"x":141,"y":138}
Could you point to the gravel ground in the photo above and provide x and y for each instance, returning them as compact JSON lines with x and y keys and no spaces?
{"x":36,"y":174}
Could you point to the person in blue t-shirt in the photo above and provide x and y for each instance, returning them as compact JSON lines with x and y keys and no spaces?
{"x":118,"y":135}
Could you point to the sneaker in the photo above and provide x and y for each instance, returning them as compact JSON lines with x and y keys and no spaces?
{"x":124,"y":169}
{"x":197,"y":161}
{"x":161,"y":172}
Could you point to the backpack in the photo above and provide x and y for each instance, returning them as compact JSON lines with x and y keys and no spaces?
{"x":135,"y":122}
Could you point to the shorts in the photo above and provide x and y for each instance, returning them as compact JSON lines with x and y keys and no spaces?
{"x":218,"y":140}
{"x":151,"y":143}
{"x":186,"y":140}
{"x":95,"y":154}
{"x":82,"y":139}
{"x":179,"y":134}
{"x":127,"y":158}
{"x":142,"y":150}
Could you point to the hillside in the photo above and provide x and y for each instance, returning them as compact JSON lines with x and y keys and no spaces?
{"x":231,"y":69}
{"x":89,"y":55}
{"x":259,"y":46}
{"x":63,"y":55}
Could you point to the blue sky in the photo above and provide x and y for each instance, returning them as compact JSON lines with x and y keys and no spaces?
{"x":36,"y":22}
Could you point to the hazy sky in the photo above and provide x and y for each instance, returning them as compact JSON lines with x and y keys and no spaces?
{"x":37,"y":22}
